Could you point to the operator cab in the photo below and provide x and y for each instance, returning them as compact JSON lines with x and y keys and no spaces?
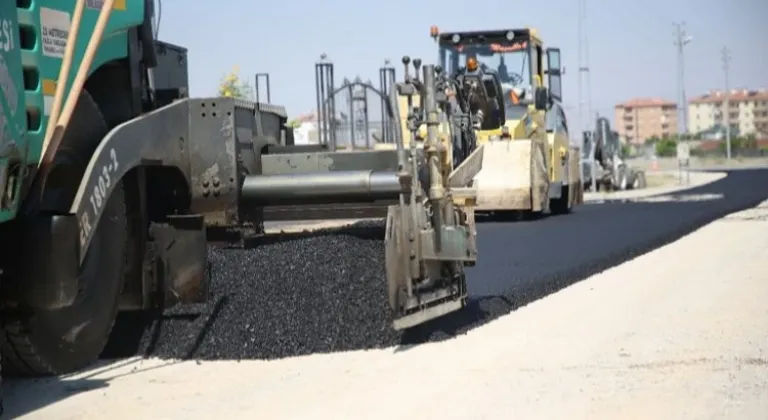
{"x":515,"y":55}
{"x":481,"y":87}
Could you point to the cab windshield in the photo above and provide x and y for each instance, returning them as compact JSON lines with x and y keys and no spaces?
{"x":511,"y":62}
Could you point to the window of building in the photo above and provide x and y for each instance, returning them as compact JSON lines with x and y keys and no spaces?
{"x":562,"y":120}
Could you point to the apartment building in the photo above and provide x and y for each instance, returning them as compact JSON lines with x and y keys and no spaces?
{"x":642,"y":118}
{"x":747,"y":112}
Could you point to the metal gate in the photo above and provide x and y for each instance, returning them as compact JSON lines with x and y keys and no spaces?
{"x":344,"y":113}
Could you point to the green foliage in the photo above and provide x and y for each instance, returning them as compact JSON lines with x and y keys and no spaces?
{"x":232,"y":86}
{"x":740,"y":143}
{"x":293,"y":124}
{"x":627,"y":150}
{"x":666,"y":146}
{"x":652,"y":140}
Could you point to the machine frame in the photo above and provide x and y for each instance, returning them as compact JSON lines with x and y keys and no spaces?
{"x":119,"y":194}
{"x":528,"y":164}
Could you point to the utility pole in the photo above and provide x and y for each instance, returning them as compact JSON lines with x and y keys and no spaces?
{"x":580,"y":34}
{"x":726,"y":56}
{"x":681,"y":40}
{"x":584,"y":86}
{"x":585,"y":96}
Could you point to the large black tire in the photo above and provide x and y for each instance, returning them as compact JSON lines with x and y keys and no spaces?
{"x":640,"y":181}
{"x":2,"y":407}
{"x":65,"y":340}
{"x":561,"y":205}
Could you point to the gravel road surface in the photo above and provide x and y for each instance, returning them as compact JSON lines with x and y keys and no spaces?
{"x":325,"y":292}
{"x":678,"y":333}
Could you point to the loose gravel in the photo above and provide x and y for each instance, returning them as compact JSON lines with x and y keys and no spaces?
{"x":298,"y":294}
{"x":326,"y":291}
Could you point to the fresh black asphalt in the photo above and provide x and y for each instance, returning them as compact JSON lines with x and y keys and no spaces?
{"x":325,"y":292}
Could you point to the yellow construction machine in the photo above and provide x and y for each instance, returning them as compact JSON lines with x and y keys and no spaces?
{"x":527,"y":163}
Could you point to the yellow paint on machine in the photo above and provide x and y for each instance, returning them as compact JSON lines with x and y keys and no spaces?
{"x":49,"y":87}
{"x":99,"y":4}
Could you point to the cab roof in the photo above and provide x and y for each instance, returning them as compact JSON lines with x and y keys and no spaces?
{"x":491,"y":36}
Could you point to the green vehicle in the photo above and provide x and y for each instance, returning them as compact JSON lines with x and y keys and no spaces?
{"x":110,"y":206}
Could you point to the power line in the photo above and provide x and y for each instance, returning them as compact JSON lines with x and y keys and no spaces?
{"x":726,"y":57}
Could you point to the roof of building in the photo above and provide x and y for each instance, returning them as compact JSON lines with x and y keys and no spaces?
{"x":736,"y":95}
{"x":308,"y":117}
{"x":645,"y":102}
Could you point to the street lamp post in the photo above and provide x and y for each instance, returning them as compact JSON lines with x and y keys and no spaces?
{"x":727,"y":103}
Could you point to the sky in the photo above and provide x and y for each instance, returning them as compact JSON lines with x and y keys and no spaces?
{"x":630,"y":43}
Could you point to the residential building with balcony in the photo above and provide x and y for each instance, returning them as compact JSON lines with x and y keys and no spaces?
{"x":639,"y":119}
{"x":747,"y":111}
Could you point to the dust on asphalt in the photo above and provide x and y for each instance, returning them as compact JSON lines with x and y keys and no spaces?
{"x":326,"y":291}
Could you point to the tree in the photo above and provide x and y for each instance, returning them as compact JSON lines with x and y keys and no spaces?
{"x":652,"y":140}
{"x":749,"y":142}
{"x":666,"y":146}
{"x":740,"y":144}
{"x":626,"y":150}
{"x":295,"y":123}
{"x":232,"y":86}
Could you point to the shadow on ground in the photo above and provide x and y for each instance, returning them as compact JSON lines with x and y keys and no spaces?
{"x":16,"y":405}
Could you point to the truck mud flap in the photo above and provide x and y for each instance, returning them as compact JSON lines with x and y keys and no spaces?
{"x":178,"y":262}
{"x":425,"y":283}
{"x":46,"y":259}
